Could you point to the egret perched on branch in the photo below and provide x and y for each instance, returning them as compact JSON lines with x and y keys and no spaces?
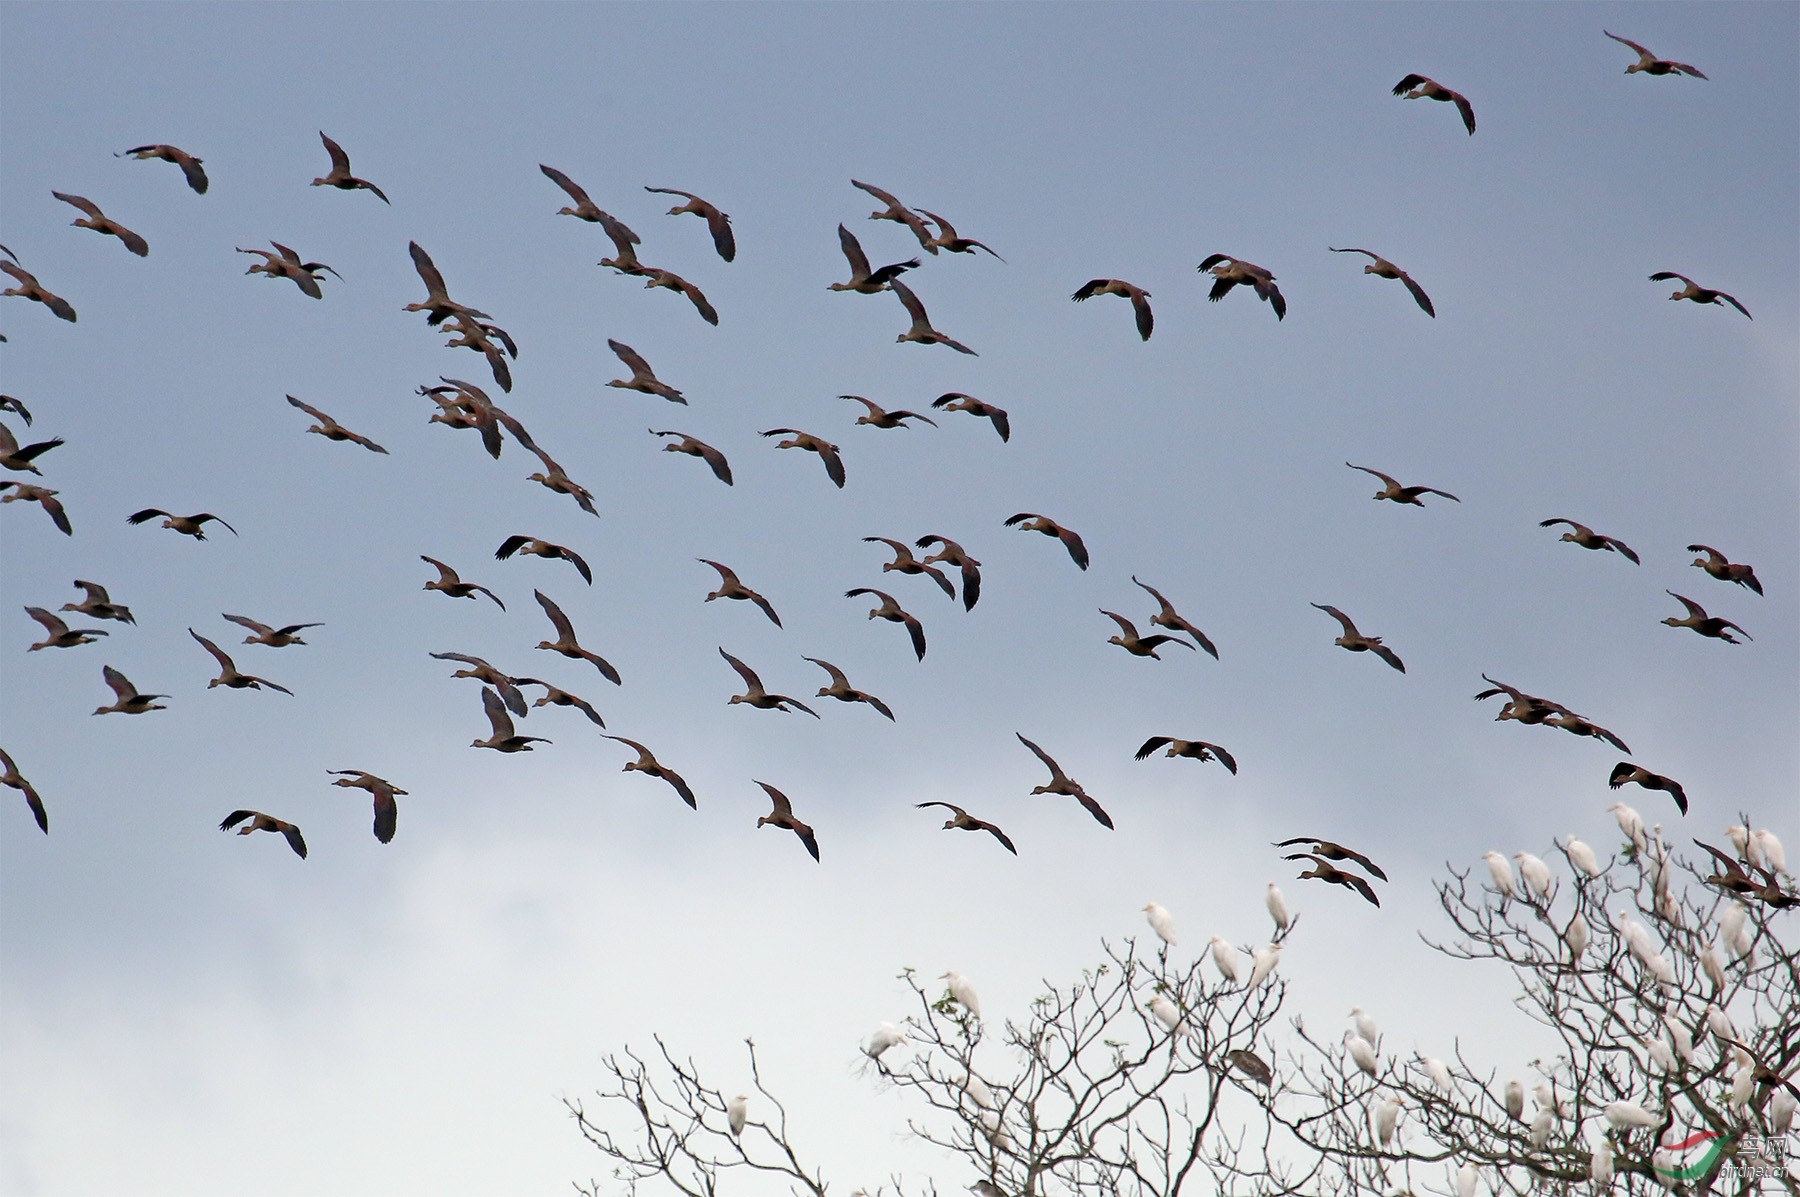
{"x":1165,"y":1013}
{"x":1536,"y":874}
{"x":1365,"y":1026}
{"x":1600,"y":1164}
{"x":1515,"y":1100}
{"x":1541,"y":1126}
{"x":1502,"y":874}
{"x":1661,"y":1055}
{"x":1679,"y":1038}
{"x":1434,"y":1068}
{"x":1774,"y":855}
{"x":1362,"y":1051}
{"x":1623,"y":1115}
{"x":886,"y":1035}
{"x":1719,"y":1023}
{"x":1262,"y":963}
{"x":963,"y":992}
{"x":736,"y":1110}
{"x":1709,"y":964}
{"x":1582,"y":857}
{"x":1161,"y":922}
{"x":1733,"y":928}
{"x":1576,"y":936}
{"x":1278,"y":908}
{"x":1387,"y":1118}
{"x":1467,"y":1178}
{"x":1224,"y":958}
{"x":1631,"y":823}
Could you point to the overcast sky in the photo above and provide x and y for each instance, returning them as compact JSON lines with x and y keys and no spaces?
{"x":187,"y":1012}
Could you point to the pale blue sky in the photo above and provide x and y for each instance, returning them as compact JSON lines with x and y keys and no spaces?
{"x":186,"y":1012}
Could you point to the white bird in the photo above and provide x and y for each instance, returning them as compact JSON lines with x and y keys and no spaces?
{"x":1536,"y":874}
{"x":1541,"y":1126}
{"x":1781,"y":1111}
{"x":1440,"y":1076}
{"x":1679,"y":1038}
{"x":1659,"y":967}
{"x":1365,"y":1026}
{"x":1719,"y":1023}
{"x":1161,"y":922}
{"x":1741,"y":1085}
{"x":1661,"y":1055}
{"x":996,"y":1134}
{"x":963,"y":992}
{"x":1733,"y":929}
{"x":1547,"y":1099}
{"x":1467,"y":1178}
{"x":1745,"y":843}
{"x":1630,"y":822}
{"x":736,"y":1110}
{"x":1387,"y":1119}
{"x":1224,"y":958}
{"x":1623,"y":1115}
{"x":1709,"y":964}
{"x":886,"y":1035}
{"x":1502,"y":874}
{"x":1165,"y":1013}
{"x":1636,"y":938}
{"x":978,"y":1091}
{"x":1773,"y":854}
{"x":1278,"y":908}
{"x":1582,"y":857}
{"x":1515,"y":1099}
{"x":1262,"y":963}
{"x":1600,"y":1164}
{"x":1362,"y":1051}
{"x":1576,"y":936}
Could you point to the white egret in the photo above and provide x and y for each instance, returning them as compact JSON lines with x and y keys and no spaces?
{"x":1165,"y":1013}
{"x":1719,"y":1023}
{"x":1659,"y":967}
{"x":1781,"y":1110}
{"x":1661,"y":1055}
{"x":1365,"y":1026}
{"x":996,"y":1134}
{"x":1224,"y":958}
{"x":1541,"y":1127}
{"x":1600,"y":1164}
{"x":1630,"y":822}
{"x":1731,"y":926}
{"x":1745,"y":843}
{"x":978,"y":1091}
{"x":1387,"y":1119}
{"x":1161,"y":922}
{"x":1278,"y":908}
{"x":886,"y":1035}
{"x":1623,"y":1115}
{"x":1582,"y":857}
{"x":1679,"y":1038}
{"x":1502,"y":874}
{"x":1515,"y":1100}
{"x":1262,"y":963}
{"x":1362,"y":1051}
{"x":1773,"y":854}
{"x":736,"y":1110}
{"x":1636,"y":938}
{"x":1440,"y":1076}
{"x":1547,"y":1099}
{"x":1467,"y":1178}
{"x":1741,"y":1085}
{"x":962,"y":992}
{"x":1576,"y":935}
{"x":1536,"y":874}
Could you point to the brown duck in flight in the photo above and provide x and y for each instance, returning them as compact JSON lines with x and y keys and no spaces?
{"x":13,"y":779}
{"x":862,"y":279}
{"x":828,"y":452}
{"x":100,"y":222}
{"x":693,"y":446}
{"x":648,"y":764}
{"x":1356,"y":642}
{"x":450,"y":582}
{"x":1394,"y":492}
{"x":962,"y":820}
{"x":58,"y":634}
{"x":190,"y":165}
{"x":1195,"y":750}
{"x":274,"y":637}
{"x":1140,"y":299}
{"x":1167,"y":617}
{"x":841,"y":689}
{"x":643,"y":378}
{"x":255,"y":820}
{"x":1030,"y":521}
{"x":1694,"y":291}
{"x":30,"y":288}
{"x":229,"y":675}
{"x":1587,"y":538}
{"x":783,"y":816}
{"x":1717,"y":565}
{"x":1382,"y":268}
{"x":44,"y":497}
{"x":1418,"y":87}
{"x":957,"y":401}
{"x":565,"y":642}
{"x":921,"y":330}
{"x":387,"y":811}
{"x":1707,"y":625}
{"x":1228,"y":272}
{"x":730,"y":587}
{"x":1062,"y":783}
{"x":754,"y":695}
{"x":891,"y":611}
{"x":717,"y":222}
{"x":331,"y":430}
{"x":187,"y":525}
{"x":531,"y":546}
{"x":1650,"y":64}
{"x":340,"y":176}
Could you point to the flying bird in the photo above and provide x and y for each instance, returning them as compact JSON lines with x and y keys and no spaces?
{"x":1167,"y":617}
{"x":450,"y":583}
{"x":947,"y":238}
{"x":862,"y":279}
{"x":783,"y":816}
{"x":1587,"y":538}
{"x":585,"y":208}
{"x":556,"y":479}
{"x":669,"y":280}
{"x":904,"y":562}
{"x":128,"y":700}
{"x":1575,"y":725}
{"x":557,"y":696}
{"x":1062,"y":783}
{"x":921,"y":330}
{"x":695,"y":447}
{"x":1526,"y":708}
{"x":1228,"y":272}
{"x":101,"y":223}
{"x":58,"y":634}
{"x":648,"y":764}
{"x":505,"y":684}
{"x":437,"y":304}
{"x":717,"y":222}
{"x":891,"y":611}
{"x":1625,"y":772}
{"x":643,"y":378}
{"x":530,"y":546}
{"x":962,"y":820}
{"x":44,"y":497}
{"x":1326,"y":872}
{"x":1140,"y":299}
{"x":9,"y":403}
{"x":287,"y":264}
{"x":1650,"y":64}
{"x":957,"y":401}
{"x":731,"y":588}
{"x":565,"y":640}
{"x":828,"y":452}
{"x":900,"y":214}
{"x":262,"y":633}
{"x":1403,"y":494}
{"x":754,"y":694}
{"x":33,"y":290}
{"x":387,"y":811}
{"x":1690,"y":290}
{"x":1356,"y":642}
{"x":880,"y":417}
{"x":14,"y":456}
{"x":229,"y":675}
{"x":1330,"y":850}
{"x":257,"y":821}
{"x":1139,"y":646}
{"x":841,"y":689}
{"x":190,"y":165}
{"x":1382,"y":268}
{"x":1707,"y":625}
{"x":331,"y":430}
{"x":503,"y":737}
{"x":340,"y":176}
{"x":13,"y":779}
{"x":1719,"y":566}
{"x":1418,"y":87}
{"x":1197,"y":750}
{"x":954,"y":554}
{"x":99,"y":604}
{"x":1030,"y":521}
{"x":187,"y":525}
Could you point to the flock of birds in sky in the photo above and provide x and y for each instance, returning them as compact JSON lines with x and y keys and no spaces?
{"x":946,"y":564}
